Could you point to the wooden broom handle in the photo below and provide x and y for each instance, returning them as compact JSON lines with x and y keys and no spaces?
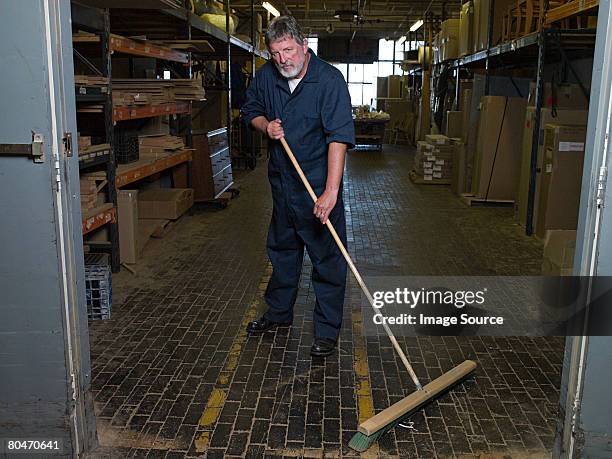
{"x":348,"y":259}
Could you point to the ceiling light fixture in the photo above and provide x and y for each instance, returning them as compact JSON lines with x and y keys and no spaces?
{"x":416,"y":26}
{"x":401,"y":40}
{"x":273,"y":11}
{"x":346,"y":15}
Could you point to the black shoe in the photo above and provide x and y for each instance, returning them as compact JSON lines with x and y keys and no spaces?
{"x":262,"y":324}
{"x":322,"y":347}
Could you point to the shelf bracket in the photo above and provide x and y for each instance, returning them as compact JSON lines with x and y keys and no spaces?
{"x":34,"y":150}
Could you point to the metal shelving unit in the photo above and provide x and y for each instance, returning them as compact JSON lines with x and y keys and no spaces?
{"x":97,"y":22}
{"x":160,"y":24}
{"x":547,"y":46}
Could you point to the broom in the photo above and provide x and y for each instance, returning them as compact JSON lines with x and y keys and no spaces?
{"x":372,"y":429}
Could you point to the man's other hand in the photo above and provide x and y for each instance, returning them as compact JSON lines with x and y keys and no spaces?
{"x":325,"y":204}
{"x":275,"y":130}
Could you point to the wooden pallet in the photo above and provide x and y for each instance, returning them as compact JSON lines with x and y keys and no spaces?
{"x":472,"y":201}
{"x":418,"y":180}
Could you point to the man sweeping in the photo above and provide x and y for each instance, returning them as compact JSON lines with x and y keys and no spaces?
{"x":305,"y":100}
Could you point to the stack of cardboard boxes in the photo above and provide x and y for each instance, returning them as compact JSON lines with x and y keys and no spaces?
{"x":446,"y":43}
{"x":433,"y":162}
{"x":143,"y":214}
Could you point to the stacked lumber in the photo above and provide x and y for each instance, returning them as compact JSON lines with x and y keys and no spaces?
{"x":81,"y":36}
{"x":89,"y":80}
{"x":158,"y":146}
{"x":90,"y":108}
{"x":84,"y":141}
{"x":188,"y":89}
{"x":87,"y":149}
{"x":134,"y":92}
{"x":92,"y":195}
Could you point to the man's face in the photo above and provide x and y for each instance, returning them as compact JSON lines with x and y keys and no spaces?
{"x":289,"y":56}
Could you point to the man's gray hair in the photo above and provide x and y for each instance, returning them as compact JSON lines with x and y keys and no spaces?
{"x":281,"y":27}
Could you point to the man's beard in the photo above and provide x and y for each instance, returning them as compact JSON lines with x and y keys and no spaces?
{"x":291,"y":73}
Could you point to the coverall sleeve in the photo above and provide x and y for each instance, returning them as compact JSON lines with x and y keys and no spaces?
{"x":336,"y":112}
{"x":254,"y":105}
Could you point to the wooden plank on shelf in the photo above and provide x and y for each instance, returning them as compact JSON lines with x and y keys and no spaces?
{"x":85,"y":37}
{"x":146,"y":48}
{"x":99,"y":216}
{"x":129,"y":173}
{"x":148,"y":111}
{"x":569,"y":9}
{"x":90,"y":80}
{"x":194,"y":46}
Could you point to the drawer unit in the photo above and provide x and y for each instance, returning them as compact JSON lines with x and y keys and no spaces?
{"x":212,"y":164}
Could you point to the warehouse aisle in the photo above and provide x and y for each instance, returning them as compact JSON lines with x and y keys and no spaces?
{"x":174,"y":374}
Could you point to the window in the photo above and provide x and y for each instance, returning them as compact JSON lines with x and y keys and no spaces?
{"x":362,"y":78}
{"x":342,"y":68}
{"x":385,"y":50}
{"x":313,"y":43}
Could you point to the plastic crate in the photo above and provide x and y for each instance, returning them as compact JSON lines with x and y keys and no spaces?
{"x":98,"y":286}
{"x":125,"y":146}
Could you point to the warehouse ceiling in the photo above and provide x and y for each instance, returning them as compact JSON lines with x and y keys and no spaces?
{"x":374,"y":18}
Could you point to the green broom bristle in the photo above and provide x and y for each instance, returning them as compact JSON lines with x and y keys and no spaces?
{"x":360,"y":442}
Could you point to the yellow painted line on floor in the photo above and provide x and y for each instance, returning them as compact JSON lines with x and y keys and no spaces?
{"x":365,"y":402}
{"x":216,"y":400}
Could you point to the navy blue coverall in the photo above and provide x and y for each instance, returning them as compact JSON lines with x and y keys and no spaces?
{"x":316,"y":113}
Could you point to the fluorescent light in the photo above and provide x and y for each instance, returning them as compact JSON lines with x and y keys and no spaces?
{"x":416,"y":26}
{"x":273,"y":11}
{"x":401,"y":40}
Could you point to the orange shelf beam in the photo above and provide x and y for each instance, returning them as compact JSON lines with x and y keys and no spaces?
{"x":143,"y":48}
{"x":148,"y":111}
{"x":100,"y":219}
{"x":145,"y":170}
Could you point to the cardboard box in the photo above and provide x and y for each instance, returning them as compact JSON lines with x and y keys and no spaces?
{"x":437,"y":139}
{"x":466,"y":29}
{"x":482,"y":14}
{"x":466,"y":102}
{"x":567,"y":96}
{"x":566,"y":117}
{"x":381,"y":86}
{"x":475,"y":26}
{"x":449,"y":40}
{"x":164,"y":203}
{"x":497,"y":160}
{"x":454,"y":124}
{"x":559,"y":249}
{"x":127,"y":208}
{"x":562,"y":161}
{"x":394,"y":86}
{"x":458,"y":179}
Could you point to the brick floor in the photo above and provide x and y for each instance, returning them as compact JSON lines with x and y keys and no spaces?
{"x":173,"y":376}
